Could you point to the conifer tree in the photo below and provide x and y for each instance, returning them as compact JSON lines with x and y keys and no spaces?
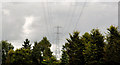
{"x":97,"y":46}
{"x":65,"y":58}
{"x":74,"y":48}
{"x":26,"y":44}
{"x":113,"y":45}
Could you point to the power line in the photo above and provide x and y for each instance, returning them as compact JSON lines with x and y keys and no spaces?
{"x":45,"y":18}
{"x":49,"y":19}
{"x":80,"y":14}
{"x":71,"y":18}
{"x":69,"y":9}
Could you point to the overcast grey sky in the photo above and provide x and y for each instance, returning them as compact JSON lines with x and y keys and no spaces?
{"x":34,"y":20}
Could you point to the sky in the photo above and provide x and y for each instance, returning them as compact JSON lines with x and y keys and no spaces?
{"x":35,"y":20}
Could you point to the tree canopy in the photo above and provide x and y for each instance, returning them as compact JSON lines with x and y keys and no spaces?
{"x":91,"y":48}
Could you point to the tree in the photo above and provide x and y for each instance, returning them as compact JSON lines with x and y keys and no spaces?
{"x":10,"y":57}
{"x":74,"y":48}
{"x":26,"y":44}
{"x":86,"y":39}
{"x":6,"y":46}
{"x":94,"y":47}
{"x":41,"y":52}
{"x":65,"y":58}
{"x":36,"y":54}
{"x":97,"y":41}
{"x":19,"y":57}
{"x":113,"y":45}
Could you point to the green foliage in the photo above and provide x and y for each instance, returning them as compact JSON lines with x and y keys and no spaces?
{"x":86,"y":39}
{"x":45,"y":47}
{"x":19,"y":57}
{"x":74,"y":49}
{"x":113,"y":45}
{"x":9,"y":57}
{"x":97,"y":47}
{"x":36,"y":54}
{"x":89,"y":49}
{"x":26,"y":44}
{"x":65,"y":58}
{"x":41,"y":53}
{"x":94,"y":47}
{"x":6,"y":46}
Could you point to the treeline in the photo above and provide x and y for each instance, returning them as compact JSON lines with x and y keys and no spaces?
{"x":92,"y":48}
{"x":40,"y":54}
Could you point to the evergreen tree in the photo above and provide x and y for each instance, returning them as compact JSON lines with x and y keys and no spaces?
{"x":36,"y":54}
{"x":41,"y":52}
{"x":86,"y":39}
{"x":45,"y":47}
{"x":74,"y":48}
{"x":26,"y":44}
{"x":65,"y":58}
{"x":97,"y":41}
{"x":113,"y":45}
{"x":94,"y":47}
{"x":10,"y":58}
{"x":6,"y":46}
{"x":19,"y":57}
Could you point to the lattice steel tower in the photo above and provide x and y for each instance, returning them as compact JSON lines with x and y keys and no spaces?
{"x":57,"y":51}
